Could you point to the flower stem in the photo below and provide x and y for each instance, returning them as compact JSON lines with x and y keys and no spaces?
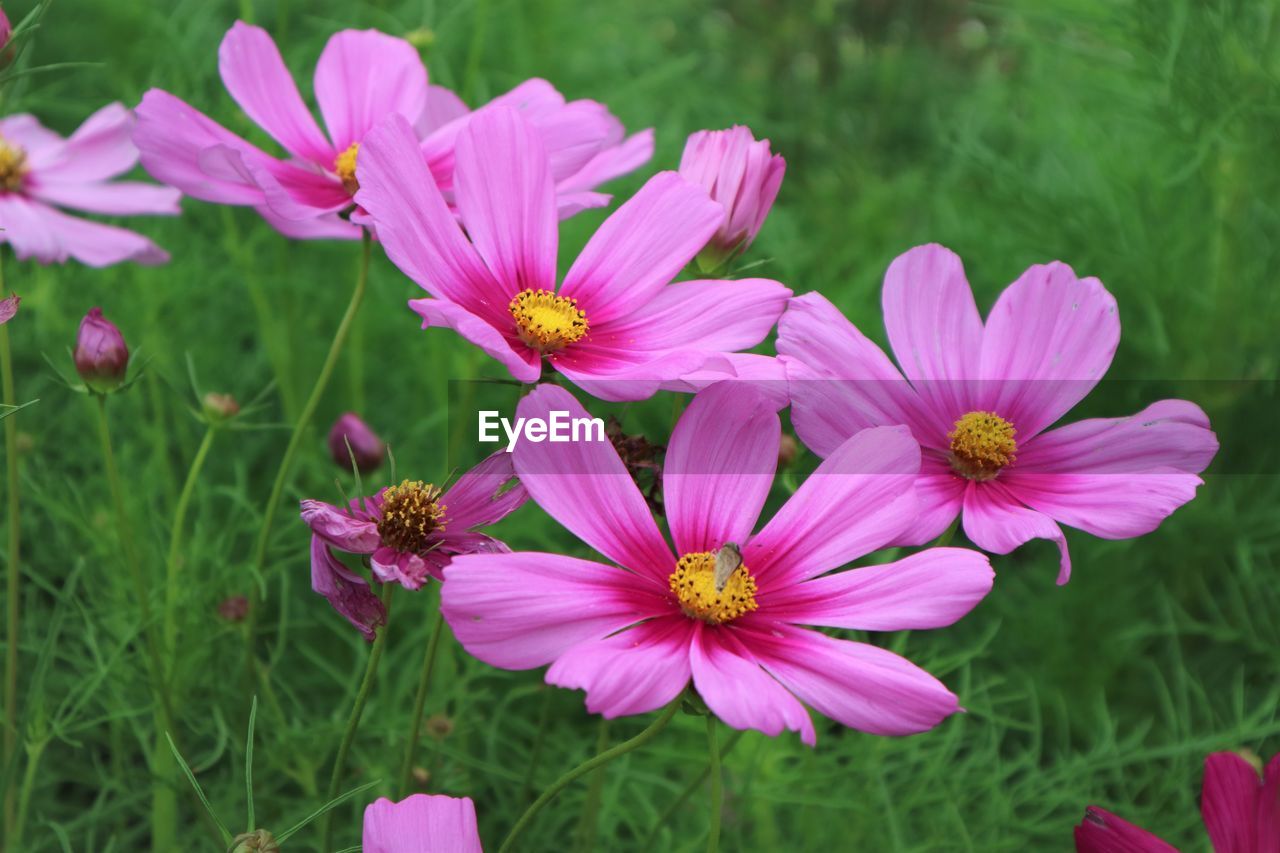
{"x":175,"y":544}
{"x":595,"y":790}
{"x":587,"y":766}
{"x":259,"y":558}
{"x":353,"y":721}
{"x":947,"y":535}
{"x":717,"y":783}
{"x":420,"y":702}
{"x":694,"y":784}
{"x":12,"y":569}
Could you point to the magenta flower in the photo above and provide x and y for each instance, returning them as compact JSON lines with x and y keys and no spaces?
{"x":633,"y":636}
{"x":421,"y":823}
{"x":409,"y":532}
{"x":353,"y":440}
{"x":1241,"y":812}
{"x":6,"y":29}
{"x":615,"y":325}
{"x":742,"y":176}
{"x":41,"y":172}
{"x":361,"y":78}
{"x":980,"y":398}
{"x":101,"y":355}
{"x":9,"y":308}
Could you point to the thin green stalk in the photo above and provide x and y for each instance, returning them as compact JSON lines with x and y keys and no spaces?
{"x":173,"y":561}
{"x":535,"y":754}
{"x":12,"y":568}
{"x":34,"y":752}
{"x":947,"y":535}
{"x":717,"y":785}
{"x":694,"y":784}
{"x":595,"y":791}
{"x":586,"y":767}
{"x":420,"y":702}
{"x":295,"y":441}
{"x":353,"y":721}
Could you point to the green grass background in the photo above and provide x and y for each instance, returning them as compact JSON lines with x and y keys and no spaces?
{"x":1134,"y":139}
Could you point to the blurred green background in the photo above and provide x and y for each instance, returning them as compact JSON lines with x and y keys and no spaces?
{"x":1134,"y":139}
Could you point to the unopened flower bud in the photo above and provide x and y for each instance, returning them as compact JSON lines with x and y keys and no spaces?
{"x":367,"y":450}
{"x":234,"y":608}
{"x":743,"y":176}
{"x":8,"y":305}
{"x":101,"y":355}
{"x":219,"y":407}
{"x":439,"y":726}
{"x":788,"y":449}
{"x":258,"y":841}
{"x":423,"y":38}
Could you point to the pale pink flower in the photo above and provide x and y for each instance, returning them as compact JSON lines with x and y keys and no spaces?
{"x":1241,"y":812}
{"x":742,"y":175}
{"x":41,"y":172}
{"x":616,"y":325}
{"x":421,"y":823}
{"x":979,"y":399}
{"x":361,"y":78}
{"x":634,"y":633}
{"x":409,"y":532}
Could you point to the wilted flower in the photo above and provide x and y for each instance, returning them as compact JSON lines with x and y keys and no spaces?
{"x":742,"y":176}
{"x":367,"y":450}
{"x":40,"y":172}
{"x":726,"y":609}
{"x":8,"y":308}
{"x":421,"y":823}
{"x":980,"y":398}
{"x":616,"y":325}
{"x":101,"y":355}
{"x":409,"y":532}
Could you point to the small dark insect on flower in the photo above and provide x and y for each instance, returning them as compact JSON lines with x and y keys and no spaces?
{"x":642,"y":460}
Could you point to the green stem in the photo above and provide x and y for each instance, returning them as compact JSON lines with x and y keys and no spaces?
{"x":535,"y":754}
{"x":353,"y":721}
{"x":12,"y":569}
{"x":420,"y":703}
{"x":717,"y":783}
{"x":694,"y":784}
{"x":172,"y":563}
{"x":34,"y":752}
{"x":591,"y":806}
{"x":587,"y":766}
{"x":259,"y":558}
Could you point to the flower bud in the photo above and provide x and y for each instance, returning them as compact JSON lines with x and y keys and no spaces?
{"x":742,"y":176}
{"x":9,"y":305}
{"x":219,"y":407}
{"x":101,"y":356}
{"x":258,"y":841}
{"x":367,"y":450}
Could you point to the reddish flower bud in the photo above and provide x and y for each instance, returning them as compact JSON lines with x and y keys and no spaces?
{"x":101,"y":355}
{"x":9,"y":305}
{"x":219,"y":407}
{"x":366,"y":448}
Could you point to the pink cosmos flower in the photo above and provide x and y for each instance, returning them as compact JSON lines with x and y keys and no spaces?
{"x":409,"y":532}
{"x":361,"y":78}
{"x":742,"y":176}
{"x":633,"y":634}
{"x":980,"y":398}
{"x":1241,"y":812}
{"x":40,"y":172}
{"x":421,"y":823}
{"x":615,"y":326}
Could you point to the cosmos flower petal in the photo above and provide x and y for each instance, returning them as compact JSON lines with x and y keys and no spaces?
{"x":330,"y":227}
{"x":996,"y":521}
{"x":347,"y":592}
{"x":442,"y":106}
{"x":101,"y":148}
{"x":1103,"y":832}
{"x":356,"y":535}
{"x":610,"y":163}
{"x":421,"y":823}
{"x":23,"y":227}
{"x":93,"y":244}
{"x":118,"y":198}
{"x":362,"y":77}
{"x":9,"y":308}
{"x":940,"y":498}
{"x":617,"y":375}
{"x":719,"y":467}
{"x":1230,"y":802}
{"x":41,"y":144}
{"x":634,"y":671}
{"x":525,"y":609}
{"x":477,"y":499}
{"x":1268,"y":817}
{"x":523,"y":362}
{"x":574,"y":134}
{"x":1110,"y":506}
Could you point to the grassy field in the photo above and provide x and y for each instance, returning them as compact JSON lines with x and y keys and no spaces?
{"x":1133,"y":139}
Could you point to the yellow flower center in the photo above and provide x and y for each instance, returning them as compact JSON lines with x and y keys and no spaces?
{"x":547,"y":322}
{"x":981,"y":444}
{"x":410,"y":514}
{"x":345,"y":166}
{"x":694,"y":583}
{"x":13,"y":166}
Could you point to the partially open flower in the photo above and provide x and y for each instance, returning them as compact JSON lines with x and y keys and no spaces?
{"x":366,"y":449}
{"x":101,"y":355}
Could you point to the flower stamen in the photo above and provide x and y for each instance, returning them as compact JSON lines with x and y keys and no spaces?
{"x":410,"y":514}
{"x":345,"y":167}
{"x":982,"y":443}
{"x":13,"y":166}
{"x":547,"y":322}
{"x":694,"y":583}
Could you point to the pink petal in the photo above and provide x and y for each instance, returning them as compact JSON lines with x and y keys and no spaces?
{"x":331,"y":227}
{"x":35,"y":230}
{"x":416,"y":228}
{"x":719,"y":316}
{"x":574,"y":134}
{"x":524,"y":610}
{"x":744,"y":696}
{"x":101,"y":148}
{"x":934,"y":327}
{"x":120,"y":198}
{"x":584,"y":486}
{"x":347,"y":592}
{"x":523,"y":363}
{"x":255,"y":75}
{"x":929,"y":589}
{"x":569,"y":205}
{"x":857,"y":500}
{"x":1103,"y":832}
{"x":1229,"y":803}
{"x":858,"y":685}
{"x":940,"y":492}
{"x":612,"y":162}
{"x":171,"y":137}
{"x":719,"y":467}
{"x":641,"y":247}
{"x":24,"y":228}
{"x":1049,"y":338}
{"x":411,"y":571}
{"x":362,"y":77}
{"x":618,"y":375}
{"x":293,"y":191}
{"x":1268,"y":816}
{"x":477,"y":498}
{"x":41,"y":144}
{"x":421,"y":823}
{"x":632,"y":672}
{"x":506,"y":199}
{"x":1111,"y":506}
{"x":356,"y":535}
{"x":442,"y":106}
{"x":763,"y":373}
{"x":9,"y":308}
{"x":996,"y":521}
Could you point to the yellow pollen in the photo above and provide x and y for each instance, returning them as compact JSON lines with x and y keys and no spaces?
{"x":981,"y":444}
{"x":547,"y":322}
{"x":410,"y":514}
{"x":13,"y":166}
{"x":694,"y":583}
{"x":345,"y":166}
